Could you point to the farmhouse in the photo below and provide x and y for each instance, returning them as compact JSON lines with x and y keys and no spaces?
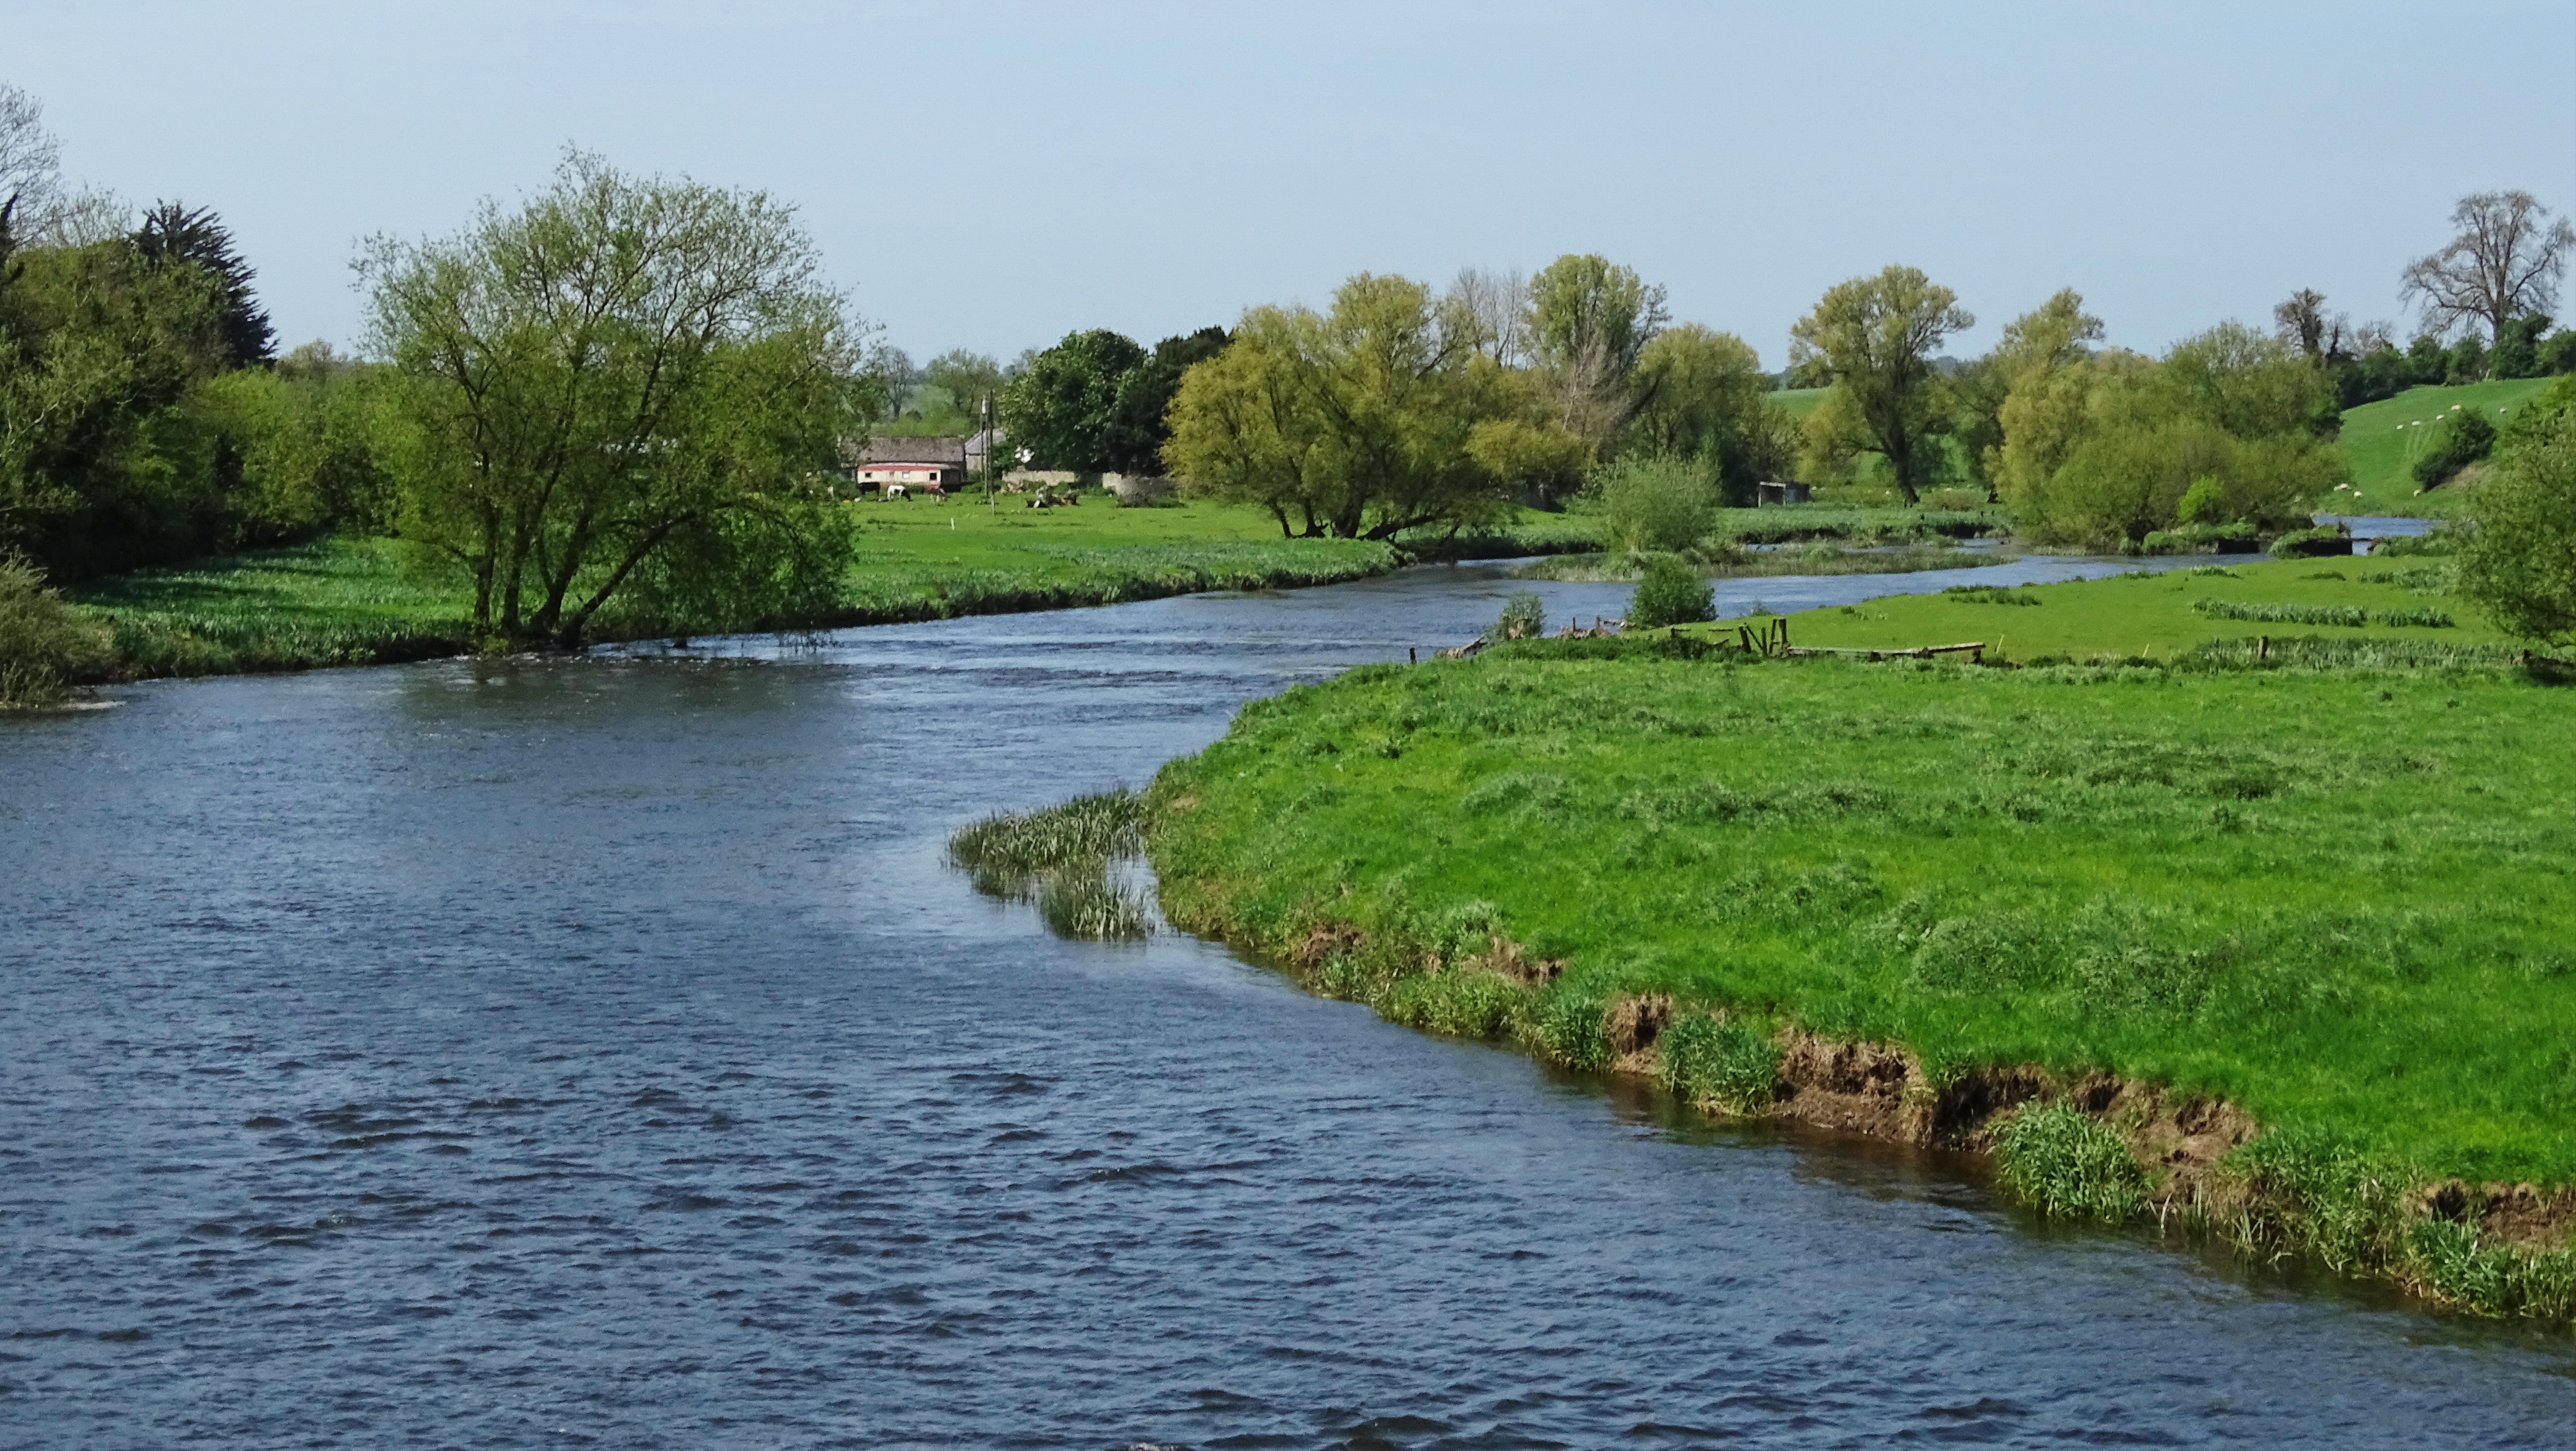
{"x":935,"y":464}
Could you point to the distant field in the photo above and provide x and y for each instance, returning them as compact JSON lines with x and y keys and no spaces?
{"x":358,"y":601}
{"x":2384,"y":439}
{"x":1797,"y":402}
{"x":2154,"y":615}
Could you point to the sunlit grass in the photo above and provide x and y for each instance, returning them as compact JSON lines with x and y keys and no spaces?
{"x":2337,"y":898}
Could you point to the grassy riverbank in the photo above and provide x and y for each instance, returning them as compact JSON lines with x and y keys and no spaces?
{"x":2165,"y":615}
{"x":2134,"y":911}
{"x":357,"y":601}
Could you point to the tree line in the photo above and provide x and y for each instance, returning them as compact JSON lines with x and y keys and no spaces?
{"x":624,"y":399}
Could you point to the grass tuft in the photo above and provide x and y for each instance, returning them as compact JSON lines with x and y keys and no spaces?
{"x":2069,"y":1166}
{"x":1723,"y":1061}
{"x":1059,"y":858}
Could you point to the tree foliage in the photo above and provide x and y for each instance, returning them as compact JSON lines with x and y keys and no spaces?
{"x":1140,"y":426}
{"x":620,"y":375}
{"x":2519,"y":562}
{"x":1590,"y":321}
{"x":173,"y":235}
{"x":1063,"y":408}
{"x":2050,"y":337}
{"x":1375,"y":417}
{"x":2106,"y":449}
{"x":100,"y":467}
{"x":1702,"y":395}
{"x":1877,"y":337}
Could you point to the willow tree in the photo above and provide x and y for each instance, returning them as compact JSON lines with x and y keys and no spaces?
{"x":1876,"y":337}
{"x":1360,"y":423}
{"x":627,"y":385}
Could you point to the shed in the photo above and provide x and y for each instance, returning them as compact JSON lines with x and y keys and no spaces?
{"x":936,"y":463}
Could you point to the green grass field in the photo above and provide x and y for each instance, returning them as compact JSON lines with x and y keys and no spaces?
{"x":1796,"y":402}
{"x":356,"y":601}
{"x":2154,"y":616}
{"x":2384,"y":439}
{"x":2338,"y":900}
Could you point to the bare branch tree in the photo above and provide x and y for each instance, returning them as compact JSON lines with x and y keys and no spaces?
{"x":1495,"y":306}
{"x":2302,"y":320}
{"x":2506,"y":260}
{"x":30,"y":160}
{"x":2304,"y":323}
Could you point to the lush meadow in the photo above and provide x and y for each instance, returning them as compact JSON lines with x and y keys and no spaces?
{"x":2165,"y":615}
{"x":2337,"y":900}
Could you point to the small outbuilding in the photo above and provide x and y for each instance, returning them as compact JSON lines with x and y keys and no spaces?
{"x":935,"y":464}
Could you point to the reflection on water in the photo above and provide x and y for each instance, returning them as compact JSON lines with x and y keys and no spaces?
{"x":595,"y":1052}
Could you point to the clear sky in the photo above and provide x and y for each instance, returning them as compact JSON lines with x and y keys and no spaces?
{"x":995,"y":175}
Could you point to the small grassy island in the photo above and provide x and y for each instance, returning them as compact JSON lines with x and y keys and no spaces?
{"x":2258,"y":942}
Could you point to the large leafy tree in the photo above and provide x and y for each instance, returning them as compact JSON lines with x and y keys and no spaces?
{"x":2506,"y":259}
{"x":2228,"y":427}
{"x":1876,"y":338}
{"x":1701,"y":395}
{"x":1063,"y":407}
{"x":98,"y":351}
{"x":1590,"y":320}
{"x":621,"y":378}
{"x":1365,"y":421}
{"x":2048,"y":338}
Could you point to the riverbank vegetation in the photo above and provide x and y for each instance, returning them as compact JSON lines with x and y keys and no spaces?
{"x":2165,"y":616}
{"x":2181,"y":901}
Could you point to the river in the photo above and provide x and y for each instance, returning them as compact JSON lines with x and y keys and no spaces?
{"x":594,"y":1052}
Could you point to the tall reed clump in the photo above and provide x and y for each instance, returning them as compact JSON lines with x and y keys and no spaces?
{"x":2348,"y":616}
{"x":46,"y":645}
{"x":1060,"y":858}
{"x":1724,"y":1061}
{"x":2068,"y":1165}
{"x":2313,"y":1191}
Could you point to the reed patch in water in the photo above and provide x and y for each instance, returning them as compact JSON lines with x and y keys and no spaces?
{"x":1061,"y":858}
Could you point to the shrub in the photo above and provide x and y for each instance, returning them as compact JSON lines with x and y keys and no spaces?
{"x":2205,"y":502}
{"x":1459,"y":1004}
{"x":2467,"y":438}
{"x":2320,"y":1191}
{"x":1672,"y":593}
{"x":2069,"y":1166}
{"x":1567,"y":1029}
{"x":1655,"y":504}
{"x":1524,"y":617}
{"x":2518,"y":565}
{"x":2123,"y":482}
{"x":45,"y":644}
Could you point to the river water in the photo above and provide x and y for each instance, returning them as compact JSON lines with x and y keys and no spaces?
{"x":595,"y":1053}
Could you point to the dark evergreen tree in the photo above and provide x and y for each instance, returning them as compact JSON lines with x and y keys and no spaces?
{"x":174,"y":233}
{"x":1137,"y":429}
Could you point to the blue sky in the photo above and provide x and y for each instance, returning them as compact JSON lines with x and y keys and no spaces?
{"x":993,"y":176}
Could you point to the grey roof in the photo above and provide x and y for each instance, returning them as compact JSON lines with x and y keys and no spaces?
{"x":858,"y":452}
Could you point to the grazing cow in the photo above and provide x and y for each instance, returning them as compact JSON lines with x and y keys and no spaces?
{"x":897,"y":491}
